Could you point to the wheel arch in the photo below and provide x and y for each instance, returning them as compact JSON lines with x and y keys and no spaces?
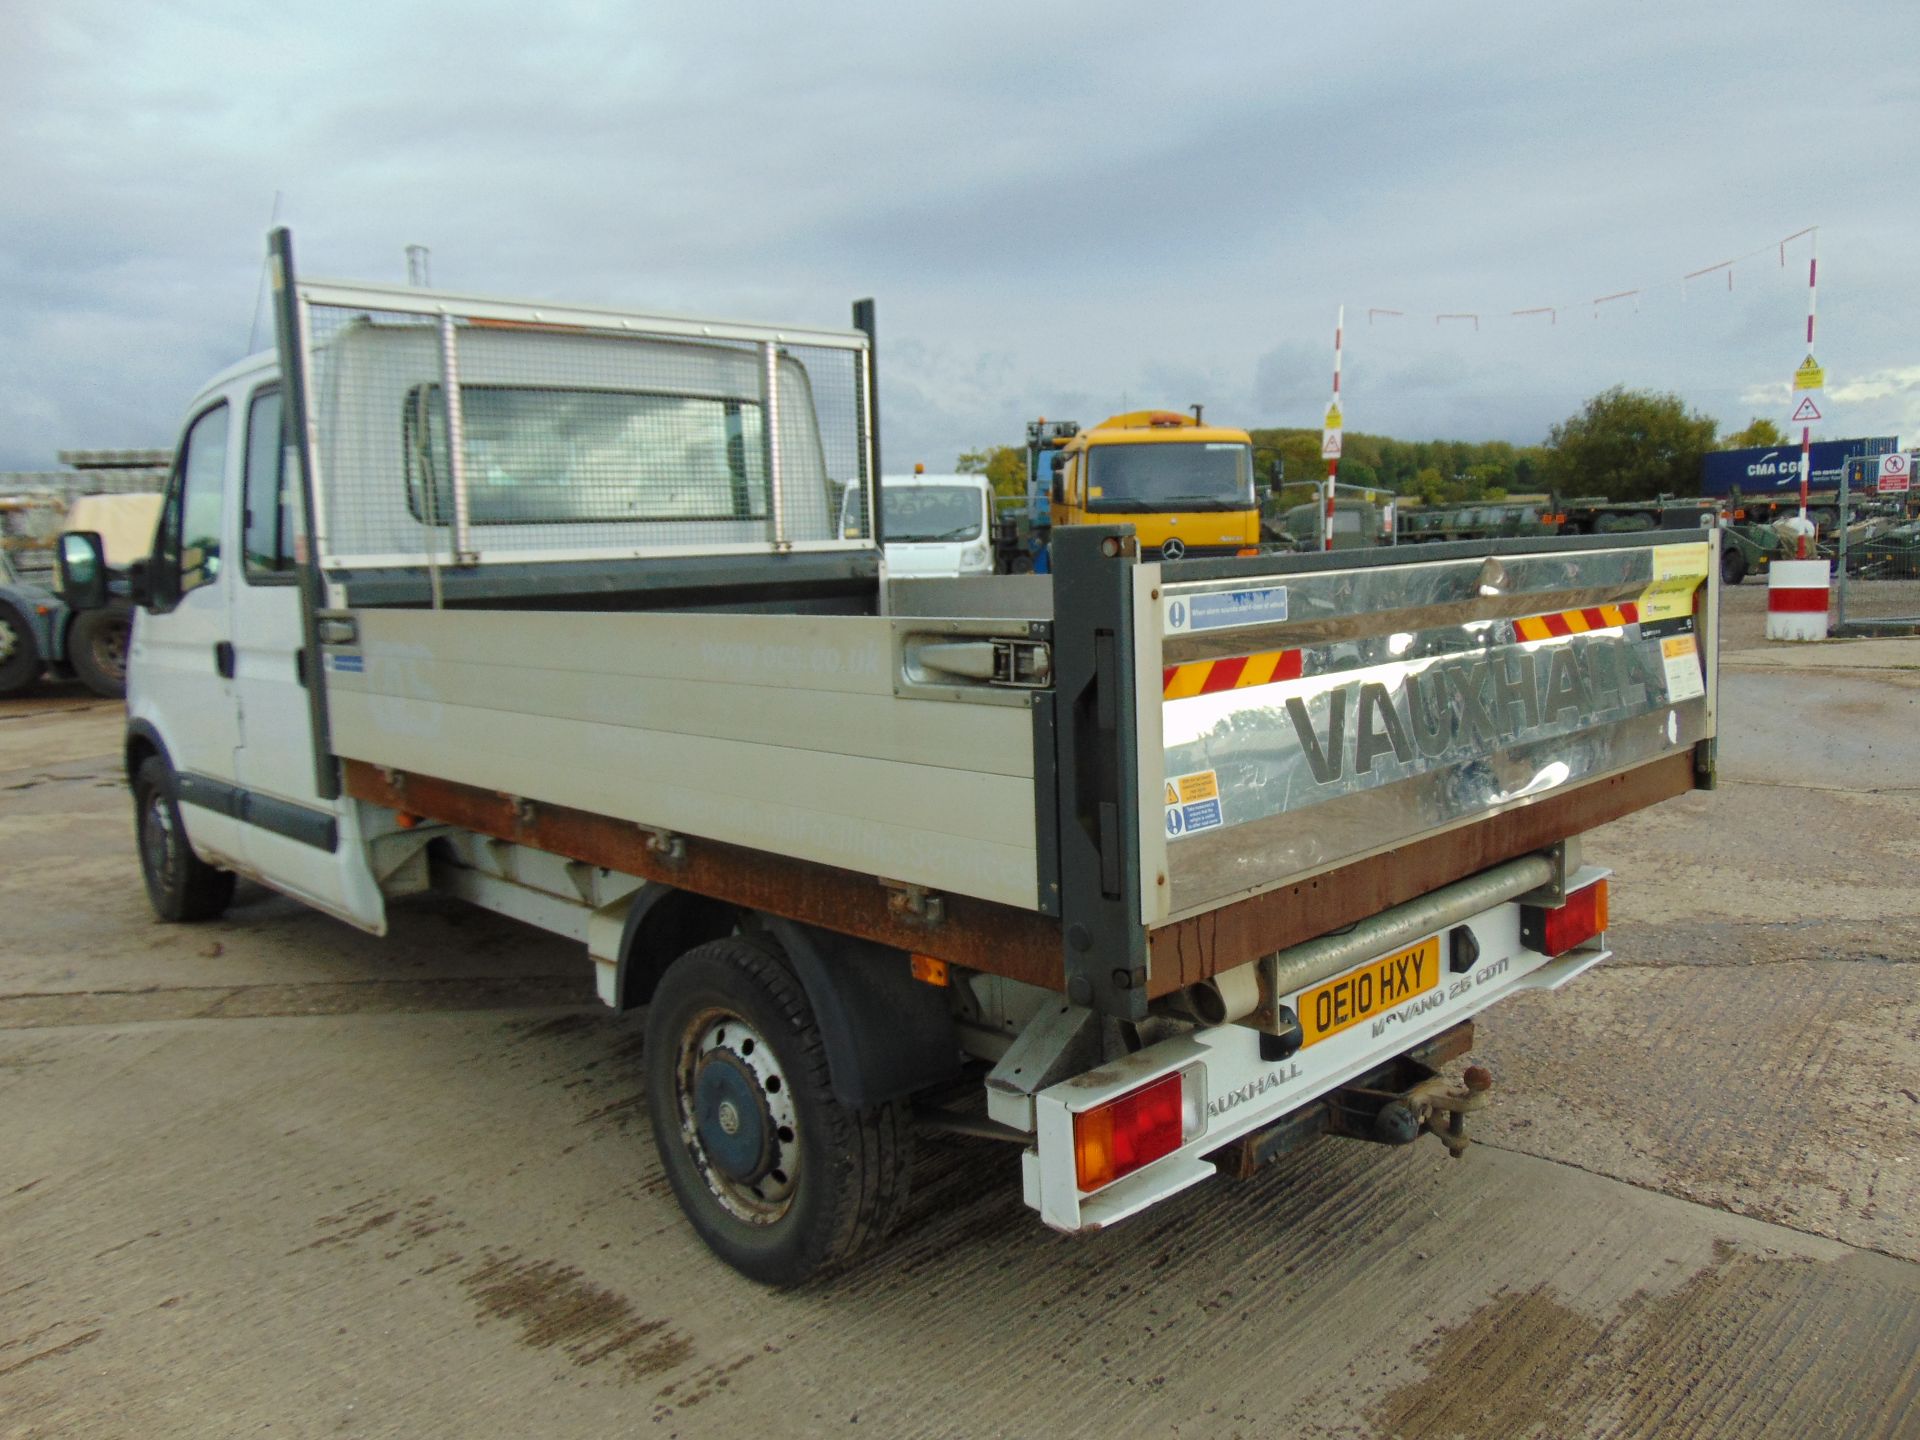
{"x":142,"y":743}
{"x":661,"y":925}
{"x":887,"y":1034}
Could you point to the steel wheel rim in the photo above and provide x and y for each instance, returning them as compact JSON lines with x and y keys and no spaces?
{"x":716,"y":1036}
{"x":110,"y":649}
{"x":9,"y":640}
{"x":158,"y":842}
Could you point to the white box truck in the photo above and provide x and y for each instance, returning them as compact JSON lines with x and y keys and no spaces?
{"x":1151,"y":870}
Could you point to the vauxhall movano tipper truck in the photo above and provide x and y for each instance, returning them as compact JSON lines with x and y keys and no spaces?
{"x":1151,"y":870}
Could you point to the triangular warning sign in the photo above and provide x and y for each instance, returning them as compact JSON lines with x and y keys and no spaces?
{"x":1805,"y":413}
{"x":1173,"y":795}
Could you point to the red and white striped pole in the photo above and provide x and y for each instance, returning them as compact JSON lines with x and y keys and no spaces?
{"x":1333,"y":462}
{"x":1798,"y":589}
{"x":1806,"y":431}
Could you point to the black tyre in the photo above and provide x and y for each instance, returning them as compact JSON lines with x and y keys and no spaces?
{"x":97,"y":646}
{"x":778,"y":1177}
{"x":180,"y":885}
{"x":1733,"y":567}
{"x":19,"y":656}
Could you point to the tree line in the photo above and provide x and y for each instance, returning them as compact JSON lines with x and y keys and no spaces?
{"x":1622,"y":444}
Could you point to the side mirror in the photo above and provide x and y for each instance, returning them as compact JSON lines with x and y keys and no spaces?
{"x":82,"y":563}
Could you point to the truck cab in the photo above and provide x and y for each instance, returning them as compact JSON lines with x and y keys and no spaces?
{"x":1186,"y":488}
{"x":220,"y":740}
{"x":936,"y":525}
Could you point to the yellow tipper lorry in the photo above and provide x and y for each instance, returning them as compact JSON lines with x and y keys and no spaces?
{"x":1187,"y":489}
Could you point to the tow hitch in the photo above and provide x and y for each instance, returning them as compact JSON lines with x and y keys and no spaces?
{"x":1392,"y":1104}
{"x":1433,"y":1104}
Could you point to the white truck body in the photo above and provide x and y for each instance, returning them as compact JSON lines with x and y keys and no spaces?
{"x":1128,"y":826}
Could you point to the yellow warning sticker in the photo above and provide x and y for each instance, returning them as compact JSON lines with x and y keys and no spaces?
{"x":1681,"y":560}
{"x":1678,"y":571}
{"x":1809,"y":375}
{"x":1334,"y":418}
{"x":1681,"y":659}
{"x":1201,"y":785}
{"x":1193,"y":803}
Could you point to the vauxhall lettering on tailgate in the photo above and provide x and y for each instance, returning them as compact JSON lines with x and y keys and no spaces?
{"x":1454,"y":708}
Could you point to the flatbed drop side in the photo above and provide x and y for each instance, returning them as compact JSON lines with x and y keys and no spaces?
{"x":1176,"y":865}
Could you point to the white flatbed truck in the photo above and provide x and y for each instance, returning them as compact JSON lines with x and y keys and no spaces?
{"x":1154,"y":871}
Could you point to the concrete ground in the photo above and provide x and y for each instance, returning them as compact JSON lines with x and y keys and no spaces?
{"x":268,"y":1176}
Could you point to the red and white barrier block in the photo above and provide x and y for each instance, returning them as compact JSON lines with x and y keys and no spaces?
{"x":1797,"y":592}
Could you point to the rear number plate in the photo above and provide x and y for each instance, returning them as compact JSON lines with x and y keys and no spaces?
{"x":1373,"y":989}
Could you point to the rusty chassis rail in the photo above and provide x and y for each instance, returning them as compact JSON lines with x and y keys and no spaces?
{"x":1003,"y":940}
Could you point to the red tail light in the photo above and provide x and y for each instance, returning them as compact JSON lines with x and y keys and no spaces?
{"x":1559,"y":929}
{"x":1121,"y":1136}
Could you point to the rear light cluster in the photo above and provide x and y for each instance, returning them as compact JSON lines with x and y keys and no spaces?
{"x":1555,"y":930}
{"x":1138,"y":1128}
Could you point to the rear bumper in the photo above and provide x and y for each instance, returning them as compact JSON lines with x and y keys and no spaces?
{"x":1244,"y":1091}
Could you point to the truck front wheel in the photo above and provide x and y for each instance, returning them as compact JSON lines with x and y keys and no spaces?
{"x":180,"y":885}
{"x":97,"y":646}
{"x":779,"y":1178}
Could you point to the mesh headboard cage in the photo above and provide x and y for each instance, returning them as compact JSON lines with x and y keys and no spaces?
{"x":450,"y":430}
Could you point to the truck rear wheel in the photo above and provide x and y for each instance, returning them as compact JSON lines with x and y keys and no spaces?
{"x":1733,"y":566}
{"x":779,"y":1178}
{"x":180,"y":885}
{"x":19,"y":656}
{"x":97,"y":646}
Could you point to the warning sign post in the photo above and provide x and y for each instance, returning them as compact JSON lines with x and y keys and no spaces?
{"x":1896,"y":473}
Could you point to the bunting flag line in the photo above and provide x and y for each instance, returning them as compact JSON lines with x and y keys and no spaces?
{"x":1599,"y":303}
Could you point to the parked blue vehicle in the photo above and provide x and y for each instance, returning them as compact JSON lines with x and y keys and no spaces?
{"x":40,"y":634}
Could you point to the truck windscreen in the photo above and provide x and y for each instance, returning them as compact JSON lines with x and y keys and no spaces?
{"x":932,"y":512}
{"x":1189,"y":475}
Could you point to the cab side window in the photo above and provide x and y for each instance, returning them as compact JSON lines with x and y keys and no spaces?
{"x":188,"y":543}
{"x":267,"y":529}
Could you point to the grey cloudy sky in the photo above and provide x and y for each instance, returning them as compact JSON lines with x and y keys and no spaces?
{"x":1061,"y":209}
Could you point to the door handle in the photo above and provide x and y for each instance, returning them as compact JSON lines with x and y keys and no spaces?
{"x":223,"y":659}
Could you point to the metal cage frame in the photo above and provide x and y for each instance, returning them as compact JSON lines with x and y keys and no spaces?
{"x":449,"y":308}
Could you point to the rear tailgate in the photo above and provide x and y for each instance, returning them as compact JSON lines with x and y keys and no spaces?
{"x":1316,"y":711}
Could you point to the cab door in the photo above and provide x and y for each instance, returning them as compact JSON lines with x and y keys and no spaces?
{"x":181,"y":670}
{"x":295,"y":840}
